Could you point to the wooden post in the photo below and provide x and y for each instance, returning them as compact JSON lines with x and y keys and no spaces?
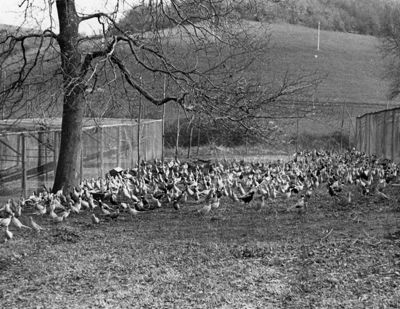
{"x":190,"y":141}
{"x":131,"y":143}
{"x":358,"y":134}
{"x":145,"y":140}
{"x":46,"y":175}
{"x":138,"y":123}
{"x":41,"y":155}
{"x":198,"y":141}
{"x":393,"y":148}
{"x":81,"y":164}
{"x":341,"y":129}
{"x":101,"y":152}
{"x":383,"y":137}
{"x":23,"y":152}
{"x":55,"y":152}
{"x":369,"y":133}
{"x":119,"y":146}
{"x":177,"y":136}
{"x":297,"y":133}
{"x":163,"y":122}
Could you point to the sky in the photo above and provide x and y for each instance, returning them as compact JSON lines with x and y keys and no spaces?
{"x":12,"y":14}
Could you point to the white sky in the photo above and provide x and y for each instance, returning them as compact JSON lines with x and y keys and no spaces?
{"x":12,"y":14}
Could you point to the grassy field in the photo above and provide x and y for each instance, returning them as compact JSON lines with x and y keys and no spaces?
{"x":351,"y":64}
{"x":335,"y":255}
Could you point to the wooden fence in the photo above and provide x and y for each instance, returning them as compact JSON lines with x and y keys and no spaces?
{"x":379,"y":134}
{"x":28,"y":159}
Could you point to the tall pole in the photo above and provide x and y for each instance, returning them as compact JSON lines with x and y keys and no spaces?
{"x":163,"y":121}
{"x":138,"y":128}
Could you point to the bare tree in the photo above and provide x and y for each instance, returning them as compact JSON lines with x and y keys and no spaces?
{"x":204,"y":49}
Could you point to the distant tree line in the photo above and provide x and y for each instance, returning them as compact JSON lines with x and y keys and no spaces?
{"x":354,"y":16}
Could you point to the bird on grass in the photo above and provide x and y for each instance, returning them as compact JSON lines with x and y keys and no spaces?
{"x":8,"y":234}
{"x":300,"y":206}
{"x":95,"y":220}
{"x":205,"y":209}
{"x":65,"y":214}
{"x":55,"y":218}
{"x":334,"y":188}
{"x":18,"y":223}
{"x":35,"y":226}
{"x":6,"y":209}
{"x":349,"y":197}
{"x":247,"y":198}
{"x":215,"y":202}
{"x":113,"y":215}
{"x":132,"y":211}
{"x":260,"y":203}
{"x":176,"y":205}
{"x":41,"y":209}
{"x":6,"y":221}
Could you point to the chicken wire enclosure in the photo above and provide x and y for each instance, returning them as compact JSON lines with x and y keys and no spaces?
{"x":28,"y":159}
{"x":379,"y":134}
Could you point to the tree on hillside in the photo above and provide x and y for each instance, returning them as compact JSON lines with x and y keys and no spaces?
{"x":201,"y":47}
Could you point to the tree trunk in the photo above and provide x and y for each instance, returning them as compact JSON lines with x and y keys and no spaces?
{"x":67,"y":174}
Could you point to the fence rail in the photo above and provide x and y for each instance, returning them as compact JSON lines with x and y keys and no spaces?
{"x":379,"y":134}
{"x":28,"y":159}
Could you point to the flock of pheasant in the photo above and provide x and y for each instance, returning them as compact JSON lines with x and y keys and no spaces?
{"x":174,"y":184}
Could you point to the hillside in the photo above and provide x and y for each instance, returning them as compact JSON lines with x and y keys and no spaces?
{"x":350,"y":63}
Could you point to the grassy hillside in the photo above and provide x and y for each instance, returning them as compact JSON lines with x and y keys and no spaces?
{"x":351,"y":65}
{"x":352,"y":62}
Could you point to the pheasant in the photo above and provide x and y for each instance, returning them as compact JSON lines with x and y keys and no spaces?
{"x":5,"y":221}
{"x":205,"y":209}
{"x":8,"y":234}
{"x":18,"y":223}
{"x":95,"y":220}
{"x":247,"y":198}
{"x":35,"y":226}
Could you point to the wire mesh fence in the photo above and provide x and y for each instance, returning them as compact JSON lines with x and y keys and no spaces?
{"x":29,"y":159}
{"x":379,"y":134}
